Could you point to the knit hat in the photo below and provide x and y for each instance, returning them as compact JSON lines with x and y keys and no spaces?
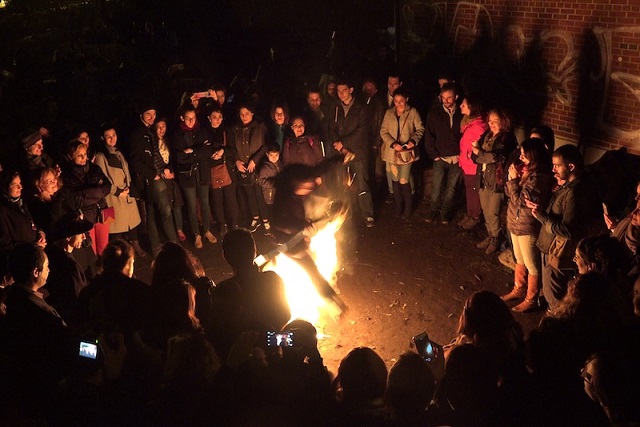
{"x":146,"y":105}
{"x":30,"y":137}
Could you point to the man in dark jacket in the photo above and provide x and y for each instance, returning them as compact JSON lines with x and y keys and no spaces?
{"x":563,"y":224}
{"x":376,"y":107}
{"x":149,"y":173}
{"x":442,"y":142}
{"x":349,"y":131}
{"x":316,"y":119}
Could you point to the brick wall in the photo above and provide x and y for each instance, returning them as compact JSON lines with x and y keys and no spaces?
{"x":577,"y":62}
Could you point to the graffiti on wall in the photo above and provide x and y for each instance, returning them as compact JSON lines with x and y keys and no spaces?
{"x":559,"y":75}
{"x":481,"y":21}
{"x":469,"y":20}
{"x":423,"y":23}
{"x":608,"y":75}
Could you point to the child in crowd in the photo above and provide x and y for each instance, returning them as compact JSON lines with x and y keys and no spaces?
{"x":266,"y":179}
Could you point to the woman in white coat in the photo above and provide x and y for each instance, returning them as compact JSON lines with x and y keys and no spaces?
{"x":401,"y":132}
{"x":115,"y":167}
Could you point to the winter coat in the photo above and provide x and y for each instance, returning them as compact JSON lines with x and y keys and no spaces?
{"x":471,"y":129}
{"x":565,"y":218}
{"x":494,"y":150}
{"x":266,"y":178}
{"x":116,"y":168}
{"x":16,"y":226}
{"x":442,"y":135}
{"x":195,"y":163}
{"x":352,"y":130}
{"x":536,"y":187}
{"x":142,"y":150}
{"x":218,"y":139}
{"x":303,"y":149}
{"x":394,"y":129}
{"x":90,"y":186}
{"x":248,"y":141}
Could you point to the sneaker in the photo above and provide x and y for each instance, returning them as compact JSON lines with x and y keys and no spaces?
{"x":181,"y":236}
{"x":430,"y":218}
{"x":484,"y":244}
{"x":255,"y":224}
{"x":370,"y":222}
{"x":198,"y":242}
{"x":472,"y":222}
{"x":444,"y":221}
{"x":267,"y":225}
{"x":210,"y":237}
{"x":492,"y":246}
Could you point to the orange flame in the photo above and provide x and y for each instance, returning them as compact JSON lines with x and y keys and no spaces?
{"x":305,"y":301}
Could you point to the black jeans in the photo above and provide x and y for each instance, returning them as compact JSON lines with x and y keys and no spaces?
{"x":225,"y":205}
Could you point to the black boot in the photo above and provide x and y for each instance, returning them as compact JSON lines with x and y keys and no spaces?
{"x":397,"y":195}
{"x":408,"y":202}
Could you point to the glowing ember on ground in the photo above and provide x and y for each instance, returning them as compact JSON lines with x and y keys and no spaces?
{"x":304,"y":299}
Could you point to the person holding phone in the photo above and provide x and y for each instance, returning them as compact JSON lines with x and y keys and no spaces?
{"x":534,"y":183}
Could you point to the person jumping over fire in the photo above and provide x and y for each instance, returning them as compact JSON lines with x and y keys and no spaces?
{"x":297,"y":216}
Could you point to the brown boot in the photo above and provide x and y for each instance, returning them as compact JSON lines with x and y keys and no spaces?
{"x":519,"y":280}
{"x":138,"y":249}
{"x":530,"y":302}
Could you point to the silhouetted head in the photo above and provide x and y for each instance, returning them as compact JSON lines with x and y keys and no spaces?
{"x":239,"y":248}
{"x":362,"y":375}
{"x":118,"y":257}
{"x":410,"y":386}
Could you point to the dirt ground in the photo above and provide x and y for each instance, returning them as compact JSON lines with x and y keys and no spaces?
{"x":406,"y":278}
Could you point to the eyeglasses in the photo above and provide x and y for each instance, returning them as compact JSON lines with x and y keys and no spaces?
{"x":49,"y":181}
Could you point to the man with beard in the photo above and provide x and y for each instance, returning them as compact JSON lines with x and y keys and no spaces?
{"x":563,"y":223}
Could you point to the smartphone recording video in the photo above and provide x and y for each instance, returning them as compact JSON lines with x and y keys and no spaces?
{"x":88,"y":349}
{"x":200,"y":95}
{"x":279,"y":339}
{"x":424,"y":346}
{"x":432,"y":353}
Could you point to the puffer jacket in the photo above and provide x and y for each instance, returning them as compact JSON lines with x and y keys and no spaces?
{"x":536,"y":187}
{"x":471,"y":129}
{"x":494,"y":150}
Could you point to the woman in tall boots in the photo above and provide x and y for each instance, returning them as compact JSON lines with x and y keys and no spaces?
{"x":532,"y":179}
{"x":401,"y":131}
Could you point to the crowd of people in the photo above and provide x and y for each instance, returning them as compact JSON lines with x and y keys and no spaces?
{"x":84,"y":341}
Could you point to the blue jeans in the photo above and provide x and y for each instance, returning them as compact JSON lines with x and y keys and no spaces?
{"x":444,"y":202}
{"x":158,"y":198}
{"x":191,"y":200}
